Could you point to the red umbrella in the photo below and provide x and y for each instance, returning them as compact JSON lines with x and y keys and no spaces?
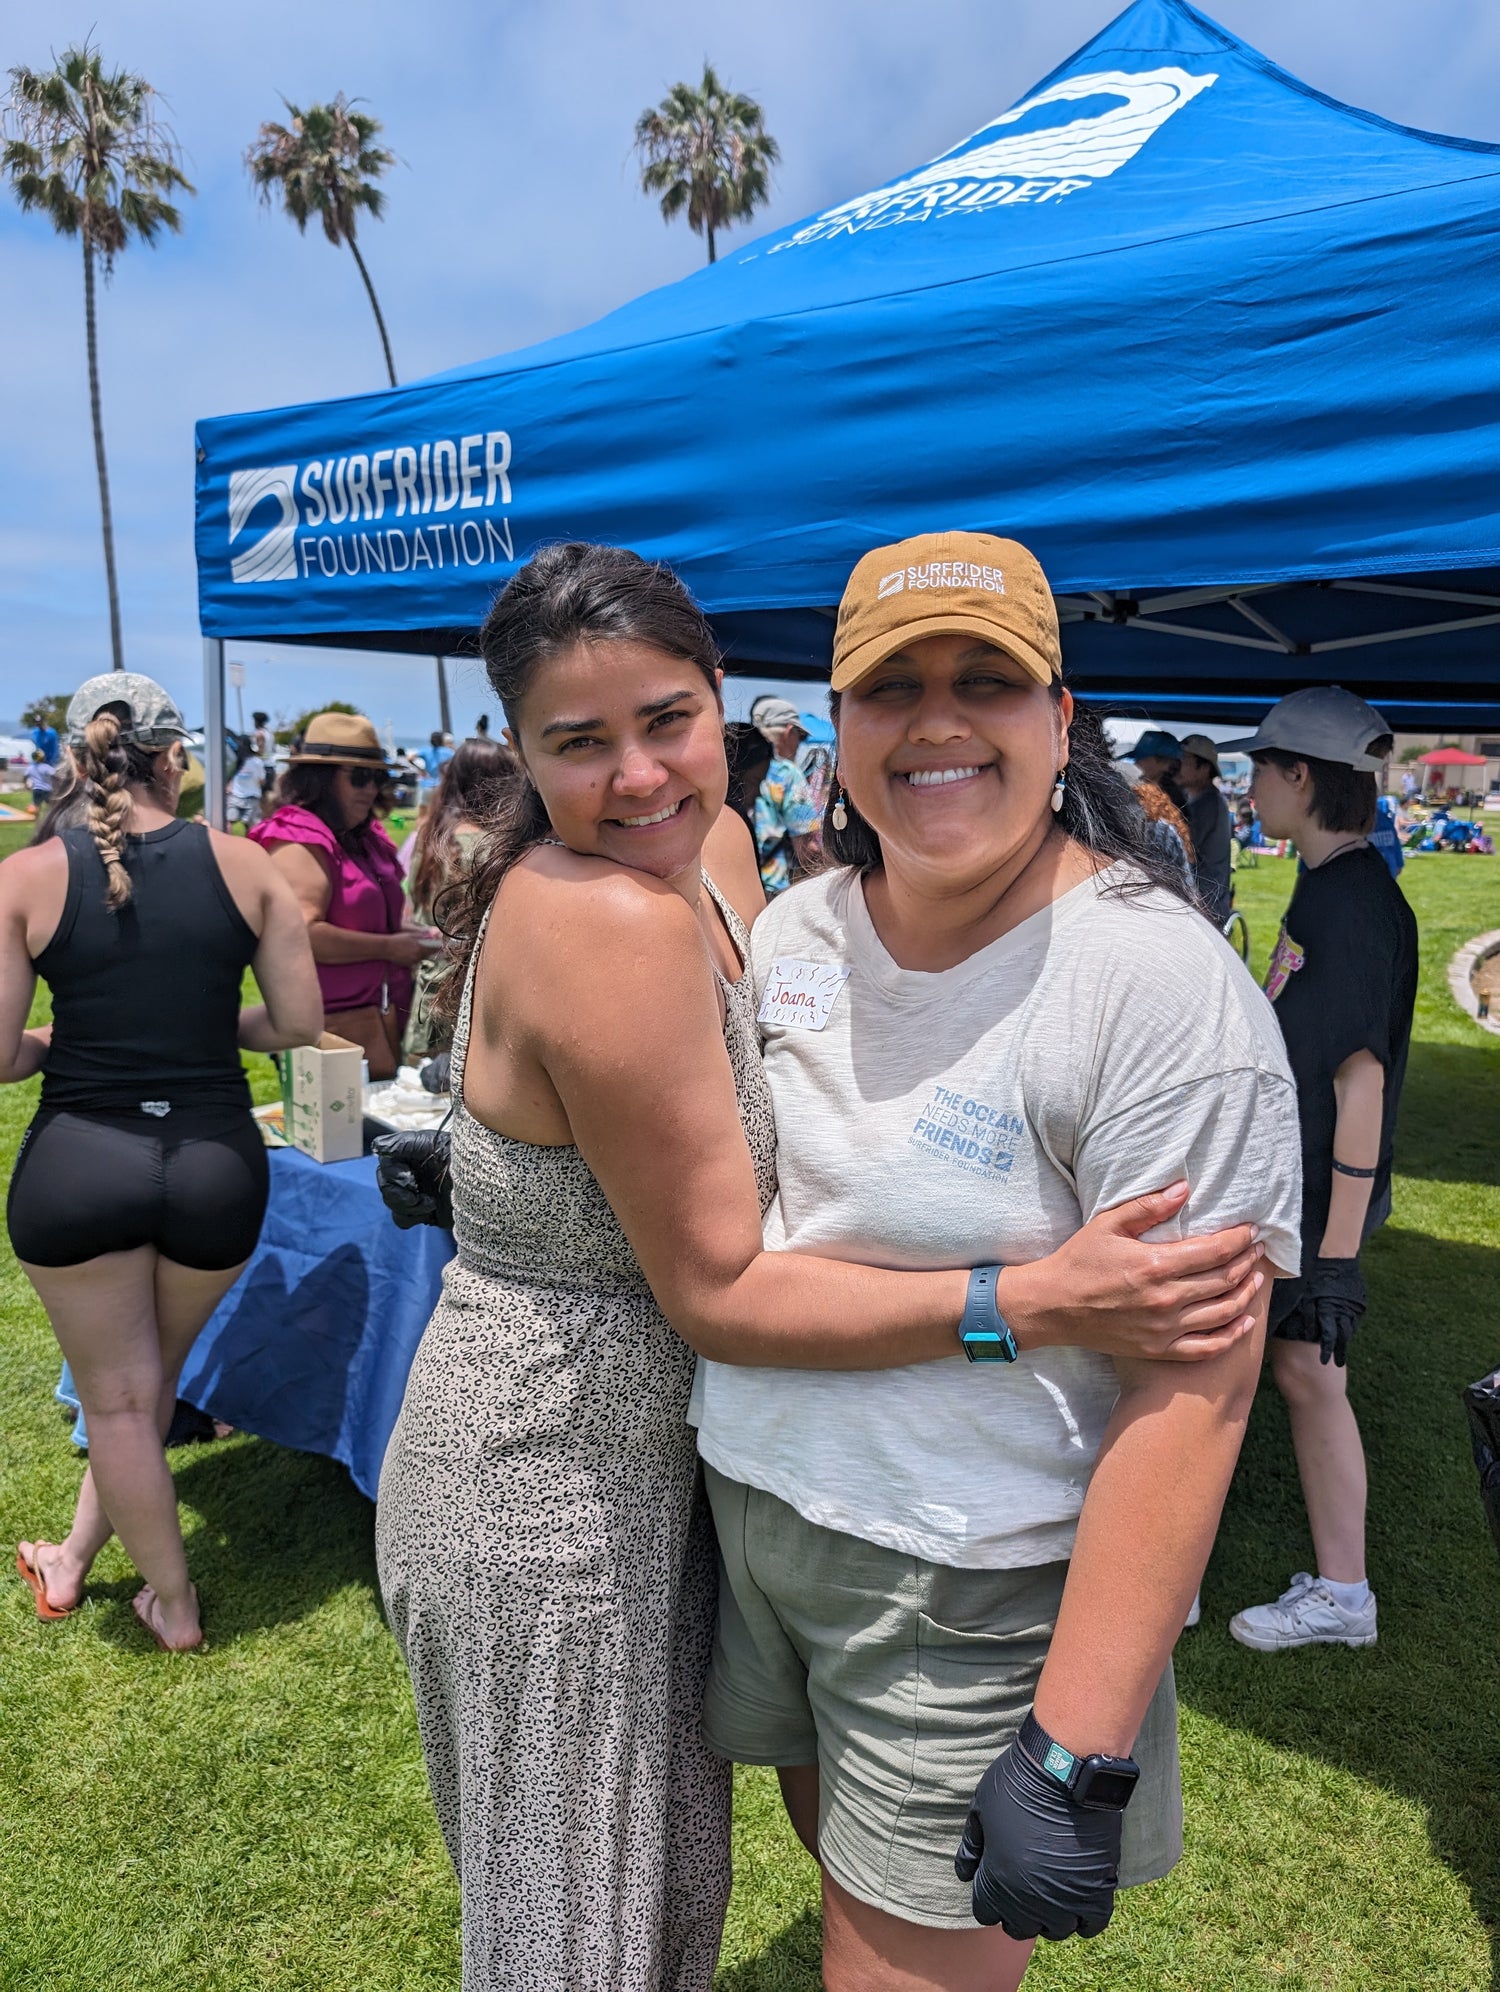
{"x":1450,"y":757}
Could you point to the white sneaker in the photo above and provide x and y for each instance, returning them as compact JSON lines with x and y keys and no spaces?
{"x":1195,"y":1611}
{"x":1304,"y":1615}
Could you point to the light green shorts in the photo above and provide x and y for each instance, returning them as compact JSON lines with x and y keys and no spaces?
{"x":901,"y":1680}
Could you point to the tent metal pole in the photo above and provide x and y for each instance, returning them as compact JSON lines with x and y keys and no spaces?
{"x":213,"y":729}
{"x":445,"y":715}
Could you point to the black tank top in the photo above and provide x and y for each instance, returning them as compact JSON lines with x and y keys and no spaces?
{"x":146,"y":1001}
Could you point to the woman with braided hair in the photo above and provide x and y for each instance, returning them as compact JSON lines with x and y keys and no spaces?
{"x":140,"y":1187}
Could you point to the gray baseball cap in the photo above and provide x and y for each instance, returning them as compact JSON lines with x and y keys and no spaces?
{"x":1324,"y":723}
{"x":154,"y":720}
{"x":770,"y":714}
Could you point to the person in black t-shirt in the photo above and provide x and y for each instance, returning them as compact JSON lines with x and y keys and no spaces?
{"x":1343,"y":978}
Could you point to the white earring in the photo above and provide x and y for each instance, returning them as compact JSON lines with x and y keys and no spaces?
{"x":1059,"y":788}
{"x":840,"y":813}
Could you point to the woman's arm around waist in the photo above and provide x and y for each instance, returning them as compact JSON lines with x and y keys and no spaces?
{"x":603,"y":999}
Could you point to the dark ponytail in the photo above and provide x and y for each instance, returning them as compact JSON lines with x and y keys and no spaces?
{"x":564,"y":595}
{"x":1100,"y":812}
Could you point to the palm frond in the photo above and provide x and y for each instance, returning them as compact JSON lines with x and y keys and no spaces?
{"x":322,"y":162}
{"x":705,"y":149}
{"x":87,"y":147}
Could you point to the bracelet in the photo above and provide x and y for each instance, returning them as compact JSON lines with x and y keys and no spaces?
{"x":1344,"y":1169}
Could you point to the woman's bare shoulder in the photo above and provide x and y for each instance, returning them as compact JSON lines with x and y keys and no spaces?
{"x":239,"y":858}
{"x":34,"y":867}
{"x":567,"y":903}
{"x":730,"y":861}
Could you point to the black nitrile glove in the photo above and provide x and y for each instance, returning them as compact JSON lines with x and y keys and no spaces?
{"x":434,"y":1074}
{"x":1041,"y":1866}
{"x":1334,"y":1301}
{"x":412,"y":1172}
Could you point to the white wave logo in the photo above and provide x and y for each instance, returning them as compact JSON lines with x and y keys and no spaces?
{"x":1054,"y":156}
{"x":273,"y":557}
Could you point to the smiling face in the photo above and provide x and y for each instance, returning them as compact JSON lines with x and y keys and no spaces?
{"x":949,"y":750}
{"x":626,"y":746}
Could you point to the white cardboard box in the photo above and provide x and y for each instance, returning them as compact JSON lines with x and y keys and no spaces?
{"x":321,"y":1097}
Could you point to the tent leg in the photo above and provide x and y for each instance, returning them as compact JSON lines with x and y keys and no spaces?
{"x":445,"y":715}
{"x":213,"y":729}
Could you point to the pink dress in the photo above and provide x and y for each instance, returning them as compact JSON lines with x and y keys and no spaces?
{"x":367,"y":898}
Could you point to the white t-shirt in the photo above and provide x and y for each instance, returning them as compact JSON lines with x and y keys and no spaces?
{"x":1103,"y":1048}
{"x":248,"y":779}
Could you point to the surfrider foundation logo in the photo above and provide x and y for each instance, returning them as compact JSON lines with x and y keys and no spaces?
{"x":380,"y":511}
{"x":1064,"y":138}
{"x":272,"y":557}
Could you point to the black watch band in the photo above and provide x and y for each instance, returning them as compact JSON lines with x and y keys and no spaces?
{"x":1095,"y":1783}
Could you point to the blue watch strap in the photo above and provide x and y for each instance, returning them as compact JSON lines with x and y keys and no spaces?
{"x":984,"y":1333}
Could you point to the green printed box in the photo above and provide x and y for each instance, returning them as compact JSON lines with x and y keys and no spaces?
{"x":320,"y":1088}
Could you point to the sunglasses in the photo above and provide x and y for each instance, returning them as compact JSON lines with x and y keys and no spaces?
{"x":363,"y":778}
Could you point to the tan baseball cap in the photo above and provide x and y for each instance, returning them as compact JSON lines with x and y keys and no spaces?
{"x":947,"y":584}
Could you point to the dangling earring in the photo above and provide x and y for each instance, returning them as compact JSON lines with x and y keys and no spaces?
{"x":840,"y":813}
{"x":1059,"y":789}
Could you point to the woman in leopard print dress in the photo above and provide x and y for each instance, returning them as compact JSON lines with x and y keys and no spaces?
{"x":545,"y":1554}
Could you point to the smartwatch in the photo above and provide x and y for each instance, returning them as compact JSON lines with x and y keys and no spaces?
{"x":984,"y":1332}
{"x":1094,"y":1784}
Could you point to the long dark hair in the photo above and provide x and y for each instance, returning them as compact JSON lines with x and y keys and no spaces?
{"x":1099,"y":812}
{"x":565,"y":595}
{"x":472,"y":789}
{"x":309,"y":785}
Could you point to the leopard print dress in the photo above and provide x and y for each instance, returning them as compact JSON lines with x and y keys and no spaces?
{"x":548,"y":1567}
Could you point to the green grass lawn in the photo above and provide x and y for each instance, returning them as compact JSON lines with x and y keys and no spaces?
{"x":257,"y":1817}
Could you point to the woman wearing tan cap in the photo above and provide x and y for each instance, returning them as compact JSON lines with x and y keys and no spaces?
{"x":326,"y":838}
{"x":951,"y":1592}
{"x":545,"y":1553}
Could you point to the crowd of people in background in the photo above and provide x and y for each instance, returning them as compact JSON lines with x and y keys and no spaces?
{"x":708,"y":1294}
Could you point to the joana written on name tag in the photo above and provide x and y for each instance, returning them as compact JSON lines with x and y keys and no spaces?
{"x":802,"y":993}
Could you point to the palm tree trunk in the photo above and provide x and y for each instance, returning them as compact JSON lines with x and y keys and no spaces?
{"x":390,"y":364}
{"x":117,"y":646}
{"x":711,"y":256}
{"x":390,"y":367}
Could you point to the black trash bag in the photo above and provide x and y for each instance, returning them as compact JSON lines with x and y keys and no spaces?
{"x":413,"y":1176}
{"x":1483,"y":1402}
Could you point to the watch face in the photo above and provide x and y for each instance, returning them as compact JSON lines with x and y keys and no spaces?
{"x":1104,"y":1789}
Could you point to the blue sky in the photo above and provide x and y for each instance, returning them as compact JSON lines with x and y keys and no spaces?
{"x":514,"y":215}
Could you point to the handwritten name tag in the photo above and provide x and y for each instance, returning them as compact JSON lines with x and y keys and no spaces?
{"x":802,"y":993}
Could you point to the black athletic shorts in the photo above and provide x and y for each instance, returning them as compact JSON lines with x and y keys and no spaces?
{"x":193,"y":1183}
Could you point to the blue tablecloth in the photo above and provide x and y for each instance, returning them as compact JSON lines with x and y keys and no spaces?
{"x":312,"y":1344}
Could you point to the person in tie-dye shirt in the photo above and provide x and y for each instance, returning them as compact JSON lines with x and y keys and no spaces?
{"x":788,"y":814}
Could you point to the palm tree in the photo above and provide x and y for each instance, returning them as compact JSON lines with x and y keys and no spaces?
{"x":708,"y":151}
{"x":84,"y":147}
{"x":326,"y":163}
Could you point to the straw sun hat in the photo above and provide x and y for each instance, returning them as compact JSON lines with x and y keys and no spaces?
{"x":340,"y":739}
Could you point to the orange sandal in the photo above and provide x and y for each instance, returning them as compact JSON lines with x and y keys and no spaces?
{"x":32,"y":1576}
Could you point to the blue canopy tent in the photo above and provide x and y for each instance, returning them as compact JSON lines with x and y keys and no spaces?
{"x":1218,"y":347}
